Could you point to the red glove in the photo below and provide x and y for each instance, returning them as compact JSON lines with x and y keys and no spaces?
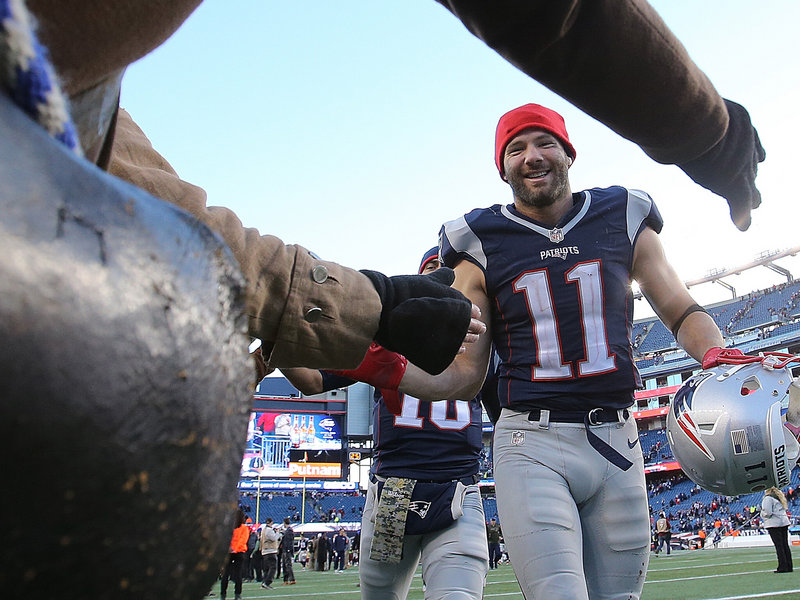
{"x":717,"y":356}
{"x":382,"y":369}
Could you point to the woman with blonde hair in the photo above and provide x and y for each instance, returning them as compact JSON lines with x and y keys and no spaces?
{"x":776,"y":521}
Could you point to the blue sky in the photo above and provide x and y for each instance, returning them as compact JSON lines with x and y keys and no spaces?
{"x":356,"y":128}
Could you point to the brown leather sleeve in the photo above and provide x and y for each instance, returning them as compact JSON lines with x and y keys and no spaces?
{"x":88,"y":40}
{"x":614,"y":59}
{"x":310,"y":312}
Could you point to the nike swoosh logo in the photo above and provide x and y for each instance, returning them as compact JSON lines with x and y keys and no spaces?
{"x":631,"y":444}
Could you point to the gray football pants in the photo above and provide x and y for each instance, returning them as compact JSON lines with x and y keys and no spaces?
{"x":576,"y":527}
{"x":454,"y":560}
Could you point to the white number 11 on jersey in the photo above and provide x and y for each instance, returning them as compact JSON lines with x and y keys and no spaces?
{"x":550,"y":361}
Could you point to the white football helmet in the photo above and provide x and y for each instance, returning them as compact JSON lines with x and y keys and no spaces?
{"x":725,"y":427}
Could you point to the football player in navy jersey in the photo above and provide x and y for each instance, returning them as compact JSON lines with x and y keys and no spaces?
{"x":552,"y":275}
{"x":435,"y":444}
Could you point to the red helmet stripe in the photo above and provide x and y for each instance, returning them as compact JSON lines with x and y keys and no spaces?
{"x":690,"y":434}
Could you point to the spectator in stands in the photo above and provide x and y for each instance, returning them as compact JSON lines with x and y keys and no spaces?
{"x":233,"y":566}
{"x":269,"y":553}
{"x":776,"y":521}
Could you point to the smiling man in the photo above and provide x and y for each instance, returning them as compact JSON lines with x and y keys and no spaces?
{"x":552,"y":272}
{"x":536,"y":185}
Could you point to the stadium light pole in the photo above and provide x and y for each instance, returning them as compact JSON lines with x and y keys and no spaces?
{"x":303,"y":503}
{"x":258,"y":497}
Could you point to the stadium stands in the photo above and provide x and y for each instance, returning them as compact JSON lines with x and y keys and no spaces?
{"x":774,"y":305}
{"x":318,"y":506}
{"x":687,"y":505}
{"x":655,"y":448}
{"x":657,"y":338}
{"x":759,"y":321}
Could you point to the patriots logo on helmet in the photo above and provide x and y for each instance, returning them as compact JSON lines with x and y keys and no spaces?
{"x":682,"y":406}
{"x":419,"y":507}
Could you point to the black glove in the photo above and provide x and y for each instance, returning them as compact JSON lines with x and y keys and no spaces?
{"x":729,"y":168}
{"x":423,"y":318}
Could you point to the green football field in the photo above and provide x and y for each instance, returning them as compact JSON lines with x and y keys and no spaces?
{"x":719,"y":574}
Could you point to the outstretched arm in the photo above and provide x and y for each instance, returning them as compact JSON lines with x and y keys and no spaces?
{"x":462,"y":380}
{"x":306,"y":311}
{"x":587,"y":51}
{"x":669,"y":297}
{"x":308,"y":381}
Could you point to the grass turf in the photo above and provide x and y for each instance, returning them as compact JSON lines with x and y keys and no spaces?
{"x":720,"y":574}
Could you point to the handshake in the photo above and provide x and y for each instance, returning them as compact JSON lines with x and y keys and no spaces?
{"x":424,"y":319}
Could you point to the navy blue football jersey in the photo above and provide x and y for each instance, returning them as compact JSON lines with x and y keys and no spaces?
{"x":561,"y":297}
{"x":436,"y":441}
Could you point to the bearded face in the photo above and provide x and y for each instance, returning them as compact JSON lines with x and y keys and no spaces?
{"x":536,"y":167}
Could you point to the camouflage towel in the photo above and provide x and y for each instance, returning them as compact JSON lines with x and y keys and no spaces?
{"x":390,"y":520}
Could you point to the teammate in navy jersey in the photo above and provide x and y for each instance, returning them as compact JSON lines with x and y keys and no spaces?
{"x":552,"y":276}
{"x":426,"y":442}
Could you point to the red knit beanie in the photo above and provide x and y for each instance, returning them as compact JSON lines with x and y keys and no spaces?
{"x":526,"y":117}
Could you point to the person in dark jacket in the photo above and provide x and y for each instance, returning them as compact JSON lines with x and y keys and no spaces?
{"x":340,"y":545}
{"x":287,"y":552}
